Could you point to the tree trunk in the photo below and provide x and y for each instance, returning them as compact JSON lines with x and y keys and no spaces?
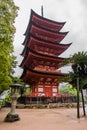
{"x":78,"y":113}
{"x":83,"y":103}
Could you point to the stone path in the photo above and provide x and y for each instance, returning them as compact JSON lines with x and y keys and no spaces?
{"x":44,"y":119}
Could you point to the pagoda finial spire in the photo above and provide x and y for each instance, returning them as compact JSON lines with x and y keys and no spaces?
{"x":42,"y":10}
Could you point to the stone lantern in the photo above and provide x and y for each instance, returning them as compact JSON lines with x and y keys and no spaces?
{"x":12,"y":116}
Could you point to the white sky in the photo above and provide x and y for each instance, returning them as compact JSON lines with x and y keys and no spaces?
{"x":74,"y":12}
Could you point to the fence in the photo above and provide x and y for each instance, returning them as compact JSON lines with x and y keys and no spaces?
{"x":45,"y":100}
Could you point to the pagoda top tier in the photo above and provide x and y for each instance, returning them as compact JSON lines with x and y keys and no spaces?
{"x":44,"y":23}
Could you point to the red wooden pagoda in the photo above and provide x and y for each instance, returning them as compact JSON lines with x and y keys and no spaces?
{"x":41,"y":55}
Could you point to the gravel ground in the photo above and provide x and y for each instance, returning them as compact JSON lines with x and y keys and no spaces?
{"x":44,"y":119}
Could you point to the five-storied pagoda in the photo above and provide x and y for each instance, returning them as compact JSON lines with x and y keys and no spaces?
{"x":41,"y":52}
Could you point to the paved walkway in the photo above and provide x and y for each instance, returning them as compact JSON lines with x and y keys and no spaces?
{"x":44,"y":119}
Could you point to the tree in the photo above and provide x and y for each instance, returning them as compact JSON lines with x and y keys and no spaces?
{"x":68,"y":89}
{"x":8,"y":13}
{"x":78,"y":76}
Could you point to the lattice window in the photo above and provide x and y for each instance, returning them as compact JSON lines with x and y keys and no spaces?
{"x":54,"y":90}
{"x":40,"y":89}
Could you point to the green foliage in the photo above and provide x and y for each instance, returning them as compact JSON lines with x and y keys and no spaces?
{"x":27,"y":90}
{"x":24,"y":89}
{"x":13,"y":65}
{"x":6,"y":100}
{"x":1,"y":103}
{"x":79,"y":69}
{"x":8,"y":13}
{"x":68,"y":89}
{"x":17,"y":79}
{"x":77,"y":58}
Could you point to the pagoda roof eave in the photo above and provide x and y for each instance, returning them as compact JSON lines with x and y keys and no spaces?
{"x":52,"y":36}
{"x":47,"y":41}
{"x":38,"y":38}
{"x":30,"y":75}
{"x":33,"y":12}
{"x":32,"y":23}
{"x":48,"y":73}
{"x":58,"y":45}
{"x":45,"y":55}
{"x":46,"y":19}
{"x":41,"y":28}
{"x":41,"y":56}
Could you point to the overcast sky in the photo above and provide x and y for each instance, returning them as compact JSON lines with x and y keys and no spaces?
{"x":74,"y":12}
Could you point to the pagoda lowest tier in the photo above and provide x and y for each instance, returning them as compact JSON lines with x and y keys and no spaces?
{"x":43,"y":46}
{"x":41,"y":55}
{"x":43,"y":83}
